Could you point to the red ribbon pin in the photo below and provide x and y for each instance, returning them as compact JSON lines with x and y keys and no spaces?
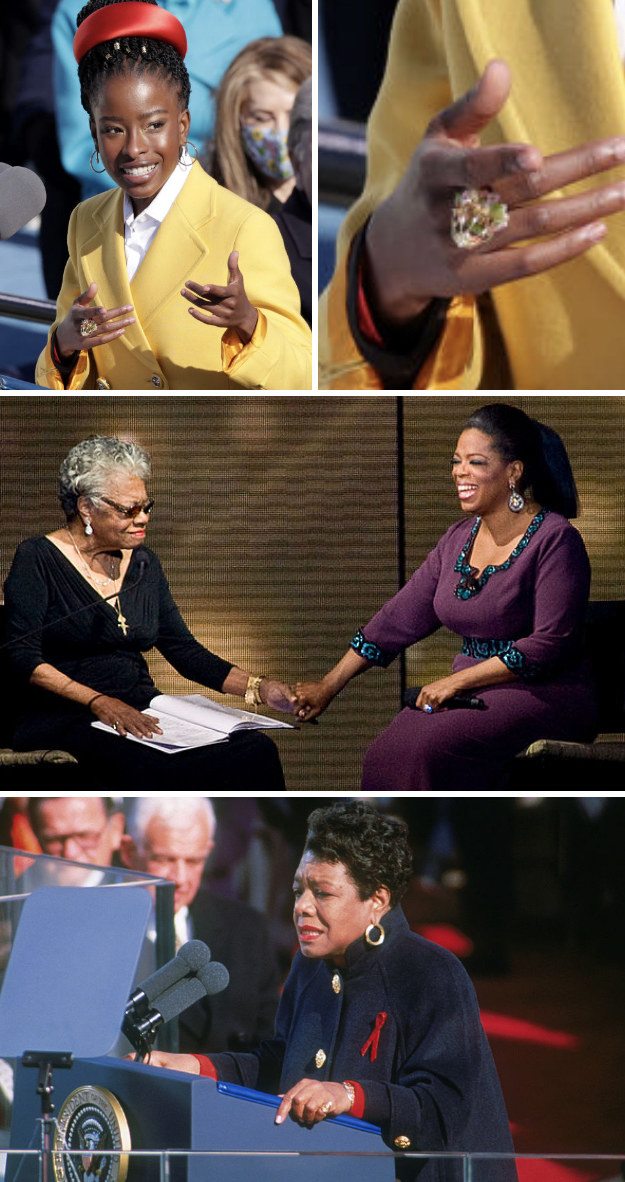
{"x":373,"y":1040}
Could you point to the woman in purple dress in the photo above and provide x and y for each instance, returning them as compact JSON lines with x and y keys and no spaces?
{"x":512,"y":579}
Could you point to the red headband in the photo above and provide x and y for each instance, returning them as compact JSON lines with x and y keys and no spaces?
{"x":130,"y":19}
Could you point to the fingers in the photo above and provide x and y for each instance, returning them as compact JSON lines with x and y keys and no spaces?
{"x":470,"y":114}
{"x":564,"y":168}
{"x":233,"y":266}
{"x":87,"y":295}
{"x":141,"y":726}
{"x":443,"y":168}
{"x":554,"y":216}
{"x":520,"y":262}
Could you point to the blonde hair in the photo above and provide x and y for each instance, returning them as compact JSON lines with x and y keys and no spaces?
{"x":279,"y":58}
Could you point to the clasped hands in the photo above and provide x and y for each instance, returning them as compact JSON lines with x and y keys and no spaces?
{"x":222,"y":307}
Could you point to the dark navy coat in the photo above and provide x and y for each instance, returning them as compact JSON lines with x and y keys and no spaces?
{"x":430,"y":1083}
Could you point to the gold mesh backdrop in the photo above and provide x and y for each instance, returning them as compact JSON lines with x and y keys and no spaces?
{"x":276,"y":521}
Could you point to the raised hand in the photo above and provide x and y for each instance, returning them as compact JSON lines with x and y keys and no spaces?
{"x":411,"y":257}
{"x":223,"y":307}
{"x":104,"y":324}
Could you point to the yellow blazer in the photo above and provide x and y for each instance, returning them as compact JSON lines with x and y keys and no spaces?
{"x":166,"y":348}
{"x":563,"y":329}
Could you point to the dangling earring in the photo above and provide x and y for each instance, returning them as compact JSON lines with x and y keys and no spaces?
{"x":516,"y":500}
{"x":97,"y":156}
{"x":183,"y":151}
{"x":88,"y":528}
{"x":369,"y":937}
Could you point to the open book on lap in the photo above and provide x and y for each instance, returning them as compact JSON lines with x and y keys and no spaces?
{"x":192,"y":720}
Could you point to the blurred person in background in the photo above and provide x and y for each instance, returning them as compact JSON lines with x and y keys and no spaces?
{"x":79,"y":828}
{"x":249,"y":154}
{"x":172,"y":837}
{"x":294,"y":217}
{"x":216,"y":31}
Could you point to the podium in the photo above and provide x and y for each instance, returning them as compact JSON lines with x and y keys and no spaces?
{"x":229,"y":1130}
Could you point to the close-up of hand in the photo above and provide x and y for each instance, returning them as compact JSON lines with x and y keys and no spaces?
{"x":437,"y":693}
{"x":313,"y":697}
{"x":278,"y":695}
{"x":410,"y":255}
{"x":125,"y":719}
{"x":109,"y":323}
{"x":223,"y":307}
{"x":312,"y":1100}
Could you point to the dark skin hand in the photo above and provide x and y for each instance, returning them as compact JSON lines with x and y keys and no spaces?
{"x":223,"y":307}
{"x":410,"y":255}
{"x":111,"y":322}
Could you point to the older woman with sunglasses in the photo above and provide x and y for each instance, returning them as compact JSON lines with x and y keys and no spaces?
{"x":84,"y":603}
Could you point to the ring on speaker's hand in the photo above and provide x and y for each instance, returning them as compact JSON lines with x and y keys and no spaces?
{"x":115,"y":725}
{"x":88,"y":327}
{"x":428,"y":709}
{"x":476,"y":216}
{"x":326,"y":1108}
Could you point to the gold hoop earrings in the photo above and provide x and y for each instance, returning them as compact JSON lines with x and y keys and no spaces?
{"x":184,"y":151}
{"x":97,"y":156}
{"x":369,"y":937}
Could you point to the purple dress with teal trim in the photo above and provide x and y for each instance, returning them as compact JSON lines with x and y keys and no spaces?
{"x":528,"y":611}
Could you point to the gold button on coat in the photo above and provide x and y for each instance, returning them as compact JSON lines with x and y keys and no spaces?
{"x":402,"y":1142}
{"x":336,"y":983}
{"x":320,"y":1058}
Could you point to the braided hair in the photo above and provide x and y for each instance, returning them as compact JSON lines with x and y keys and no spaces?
{"x":124,"y":54}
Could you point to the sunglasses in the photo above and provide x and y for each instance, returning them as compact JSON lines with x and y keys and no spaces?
{"x":129,"y":511}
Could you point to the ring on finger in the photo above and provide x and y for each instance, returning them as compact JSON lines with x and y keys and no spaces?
{"x":428,"y":709}
{"x":88,"y":327}
{"x":116,"y":725}
{"x":476,"y":216}
{"x":326,"y":1108}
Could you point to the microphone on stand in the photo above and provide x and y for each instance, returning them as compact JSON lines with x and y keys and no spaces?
{"x":170,"y":991}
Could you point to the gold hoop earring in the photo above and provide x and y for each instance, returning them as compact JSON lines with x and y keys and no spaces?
{"x":182,"y":152}
{"x":97,"y":156}
{"x":374,"y":943}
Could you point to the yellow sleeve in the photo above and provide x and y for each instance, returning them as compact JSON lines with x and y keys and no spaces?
{"x":414,"y":89}
{"x":279,"y":355}
{"x":46,"y":373}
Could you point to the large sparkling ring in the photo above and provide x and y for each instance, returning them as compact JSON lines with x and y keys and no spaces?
{"x":88,"y":327}
{"x":326,"y":1108}
{"x":476,"y":216}
{"x":428,"y":709}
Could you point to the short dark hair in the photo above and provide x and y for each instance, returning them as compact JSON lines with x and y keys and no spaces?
{"x":373,"y":847}
{"x":546,"y":466}
{"x":135,"y":54}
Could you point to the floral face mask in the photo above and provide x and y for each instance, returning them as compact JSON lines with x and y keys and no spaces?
{"x":268,"y":151}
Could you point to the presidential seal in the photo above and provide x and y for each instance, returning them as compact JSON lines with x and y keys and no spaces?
{"x":93,"y":1130}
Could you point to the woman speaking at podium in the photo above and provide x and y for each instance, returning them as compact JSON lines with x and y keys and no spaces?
{"x":374,"y":1020}
{"x":83,"y":604}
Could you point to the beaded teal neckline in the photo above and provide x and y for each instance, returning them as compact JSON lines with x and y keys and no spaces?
{"x":469,"y":584}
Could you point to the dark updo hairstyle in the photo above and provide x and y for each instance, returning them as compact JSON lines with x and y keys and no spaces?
{"x":547,"y":474}
{"x":374,"y":848}
{"x":123,"y":54}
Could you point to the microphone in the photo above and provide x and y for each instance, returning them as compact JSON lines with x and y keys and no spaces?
{"x":178,"y":985}
{"x":187,"y":961}
{"x":22,"y":197}
{"x":458,"y":702}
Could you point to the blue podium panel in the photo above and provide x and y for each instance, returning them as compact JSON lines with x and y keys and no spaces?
{"x":169,"y":1110}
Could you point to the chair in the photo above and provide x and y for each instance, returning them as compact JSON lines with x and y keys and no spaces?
{"x":8,"y":715}
{"x":587,"y":766}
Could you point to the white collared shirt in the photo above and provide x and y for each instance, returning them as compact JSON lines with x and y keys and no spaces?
{"x":139,"y":231}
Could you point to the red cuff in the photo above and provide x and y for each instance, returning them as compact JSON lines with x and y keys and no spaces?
{"x":366,"y":323}
{"x":358,"y":1107}
{"x":206,"y":1067}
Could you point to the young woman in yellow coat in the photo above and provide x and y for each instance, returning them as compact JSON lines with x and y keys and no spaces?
{"x":172,"y":283}
{"x":533,"y":129}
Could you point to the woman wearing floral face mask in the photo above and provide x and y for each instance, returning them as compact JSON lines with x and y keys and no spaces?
{"x":254,"y":102}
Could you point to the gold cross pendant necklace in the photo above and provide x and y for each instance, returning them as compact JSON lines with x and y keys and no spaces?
{"x":121,"y":619}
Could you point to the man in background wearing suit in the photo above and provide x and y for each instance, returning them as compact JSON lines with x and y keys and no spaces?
{"x":172,"y":837}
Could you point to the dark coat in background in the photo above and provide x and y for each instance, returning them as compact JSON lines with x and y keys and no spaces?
{"x":244,"y":1013}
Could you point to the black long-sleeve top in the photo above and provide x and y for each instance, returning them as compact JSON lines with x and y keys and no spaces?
{"x":54,"y":616}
